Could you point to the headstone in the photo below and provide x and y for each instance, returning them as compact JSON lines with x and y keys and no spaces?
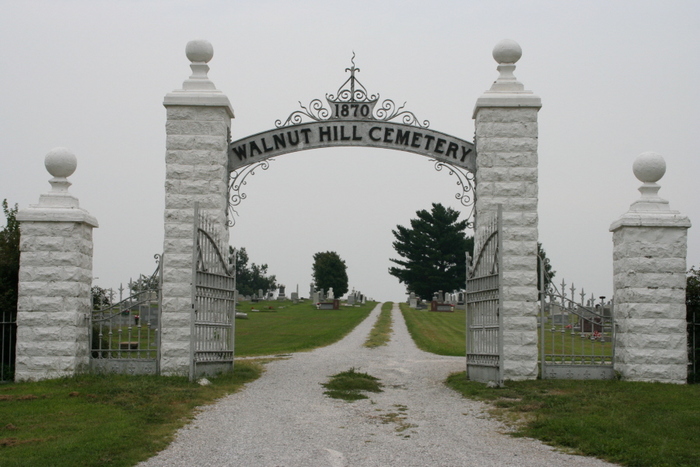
{"x":260,"y":293}
{"x":280,"y":294}
{"x":330,"y":294}
{"x":412,"y":301}
{"x":315,"y":297}
{"x":295,"y":297}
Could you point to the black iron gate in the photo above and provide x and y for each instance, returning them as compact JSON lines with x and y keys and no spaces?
{"x":484,"y":320}
{"x":213,"y":301}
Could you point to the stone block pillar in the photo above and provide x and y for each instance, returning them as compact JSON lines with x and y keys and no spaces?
{"x":198,"y":130}
{"x":55,"y":277}
{"x":649,"y":268}
{"x":506,"y":174}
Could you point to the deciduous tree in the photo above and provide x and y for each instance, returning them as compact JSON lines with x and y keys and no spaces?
{"x":9,"y":261}
{"x":250,"y":279}
{"x":330,"y":271}
{"x":549,"y":273}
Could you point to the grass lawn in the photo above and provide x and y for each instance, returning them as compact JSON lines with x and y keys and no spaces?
{"x":93,"y":420}
{"x":635,"y":424}
{"x":440,"y":333}
{"x":282,"y":327}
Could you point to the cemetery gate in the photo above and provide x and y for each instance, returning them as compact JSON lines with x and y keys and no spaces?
{"x":213,"y":301}
{"x":577,"y":338}
{"x":484,"y":320}
{"x":125,"y":336}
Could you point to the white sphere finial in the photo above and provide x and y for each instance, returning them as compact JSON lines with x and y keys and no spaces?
{"x":199,"y":51}
{"x":60,"y":162}
{"x":649,"y":167}
{"x":507,"y":51}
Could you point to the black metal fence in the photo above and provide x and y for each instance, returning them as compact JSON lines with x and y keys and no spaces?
{"x":693,"y":345}
{"x":8,"y":340}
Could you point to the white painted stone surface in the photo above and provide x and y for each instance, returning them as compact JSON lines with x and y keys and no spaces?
{"x":649,"y":266}
{"x":197,"y":129}
{"x":506,"y":145}
{"x":55,"y":277}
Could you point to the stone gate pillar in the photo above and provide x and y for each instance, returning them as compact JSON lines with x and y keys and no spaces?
{"x":506,"y":173}
{"x":55,"y":276}
{"x":649,"y":275}
{"x":198,"y":128}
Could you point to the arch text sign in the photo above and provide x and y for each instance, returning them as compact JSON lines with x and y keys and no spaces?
{"x":342,"y":133}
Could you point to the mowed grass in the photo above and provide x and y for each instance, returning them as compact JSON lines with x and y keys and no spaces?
{"x":381,"y":332}
{"x":98,"y":420}
{"x":635,"y":424}
{"x":282,"y":327}
{"x":440,"y":333}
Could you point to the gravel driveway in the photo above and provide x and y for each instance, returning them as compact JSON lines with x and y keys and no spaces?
{"x":284,"y":419}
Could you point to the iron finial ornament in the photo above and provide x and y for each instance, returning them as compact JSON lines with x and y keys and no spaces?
{"x":352,"y":101}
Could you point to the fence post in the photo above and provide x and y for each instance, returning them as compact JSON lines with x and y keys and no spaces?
{"x":198,"y":131}
{"x":506,"y":146}
{"x":55,"y":276}
{"x":649,"y":268}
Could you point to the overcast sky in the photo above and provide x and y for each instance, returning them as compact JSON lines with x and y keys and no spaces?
{"x":616,"y":79}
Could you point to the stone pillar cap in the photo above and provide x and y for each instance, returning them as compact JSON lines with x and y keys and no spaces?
{"x":650,"y":210}
{"x":198,"y":89}
{"x":507,"y":91}
{"x":58,"y":205}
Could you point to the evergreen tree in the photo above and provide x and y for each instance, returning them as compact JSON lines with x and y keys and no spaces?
{"x":330,"y":271}
{"x":433,"y":252}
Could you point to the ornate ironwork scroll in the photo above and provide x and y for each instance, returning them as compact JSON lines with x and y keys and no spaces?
{"x":352,"y":101}
{"x":465,"y":180}
{"x":237,"y":180}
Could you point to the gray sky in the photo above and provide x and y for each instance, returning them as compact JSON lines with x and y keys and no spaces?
{"x":616,"y":79}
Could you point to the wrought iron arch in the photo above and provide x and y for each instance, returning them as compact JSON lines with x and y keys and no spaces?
{"x":352,"y":117}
